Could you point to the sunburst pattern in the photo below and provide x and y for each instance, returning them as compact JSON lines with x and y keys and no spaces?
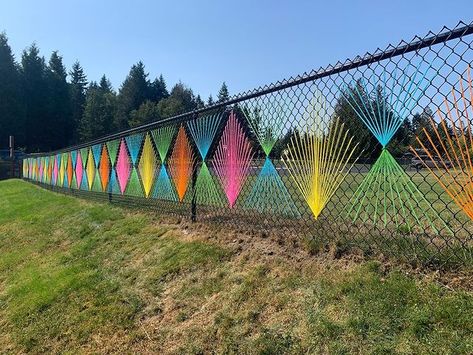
{"x":163,"y":188}
{"x":320,"y":159}
{"x":147,"y":165}
{"x":383,"y":106}
{"x":232,"y":159}
{"x":203,"y":130}
{"x":123,"y":166}
{"x":79,"y":170}
{"x":181,"y":163}
{"x":90,"y":169}
{"x":318,"y":152}
{"x":62,"y":169}
{"x":70,"y":170}
{"x":104,"y":168}
{"x":55,"y":169}
{"x":449,"y":146}
{"x":268,"y":193}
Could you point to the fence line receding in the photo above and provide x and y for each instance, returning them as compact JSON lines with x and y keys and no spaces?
{"x":374,"y":153}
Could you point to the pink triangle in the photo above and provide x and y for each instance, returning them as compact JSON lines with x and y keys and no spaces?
{"x":55,"y":170}
{"x":232,"y":158}
{"x":41,"y":170}
{"x":79,"y":170}
{"x":123,"y":166}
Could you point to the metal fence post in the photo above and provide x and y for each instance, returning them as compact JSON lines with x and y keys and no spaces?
{"x":12,"y":156}
{"x":194,"y":181}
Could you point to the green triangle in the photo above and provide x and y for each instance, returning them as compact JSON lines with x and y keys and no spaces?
{"x":207,"y":190}
{"x":112,"y":147}
{"x":97,"y":185}
{"x":388,"y":195}
{"x":134,"y":185}
{"x":84,"y":152}
{"x":74,"y":181}
{"x":162,"y":138}
{"x":267,"y":122}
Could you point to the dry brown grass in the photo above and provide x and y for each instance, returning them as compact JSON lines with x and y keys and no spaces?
{"x":82,"y":277}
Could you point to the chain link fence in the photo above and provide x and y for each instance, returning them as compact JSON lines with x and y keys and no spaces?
{"x":374,"y":154}
{"x":10,"y":169}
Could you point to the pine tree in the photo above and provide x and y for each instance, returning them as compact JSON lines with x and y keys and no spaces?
{"x":135,"y":90}
{"x":198,"y":102}
{"x":12,"y":113}
{"x":158,"y":89}
{"x":421,"y":122}
{"x":105,"y":85}
{"x":78,"y":86}
{"x":59,"y":104}
{"x":35,"y":88}
{"x":99,"y":111}
{"x":181,"y":100}
{"x":210,"y":100}
{"x":348,"y":116}
{"x":147,"y":112}
{"x":223,"y":93}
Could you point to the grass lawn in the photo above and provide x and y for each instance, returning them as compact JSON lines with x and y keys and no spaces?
{"x":87,"y":277}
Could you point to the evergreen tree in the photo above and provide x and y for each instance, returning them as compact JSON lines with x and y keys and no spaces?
{"x":135,"y":90}
{"x":148,"y":112}
{"x":158,"y":89}
{"x":12,"y":112}
{"x":181,"y":100}
{"x":210,"y":100}
{"x":59,"y":104}
{"x":35,"y":88}
{"x":402,"y":139}
{"x":282,"y":144}
{"x":46,"y":112}
{"x":99,"y":111}
{"x":422,"y":121}
{"x":78,"y":86}
{"x":105,"y":85}
{"x":198,"y":102}
{"x":223,"y":93}
{"x":347,"y":115}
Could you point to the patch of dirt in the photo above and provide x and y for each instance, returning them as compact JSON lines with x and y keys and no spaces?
{"x":271,"y":244}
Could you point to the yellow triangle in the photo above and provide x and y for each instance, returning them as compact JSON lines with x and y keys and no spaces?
{"x":90,"y":169}
{"x":147,"y":165}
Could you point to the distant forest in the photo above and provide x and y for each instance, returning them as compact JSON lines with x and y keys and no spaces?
{"x":46,"y":107}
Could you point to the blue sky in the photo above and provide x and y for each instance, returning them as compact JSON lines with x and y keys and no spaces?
{"x":245,"y":43}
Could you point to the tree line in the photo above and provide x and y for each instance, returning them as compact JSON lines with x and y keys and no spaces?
{"x":46,"y":107}
{"x":369,"y":147}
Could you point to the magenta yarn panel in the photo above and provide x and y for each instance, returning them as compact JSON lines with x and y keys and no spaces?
{"x":232,"y":159}
{"x":79,"y":170}
{"x":55,"y":170}
{"x":123,"y":166}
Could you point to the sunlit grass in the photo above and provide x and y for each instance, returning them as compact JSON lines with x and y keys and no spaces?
{"x":79,"y":276}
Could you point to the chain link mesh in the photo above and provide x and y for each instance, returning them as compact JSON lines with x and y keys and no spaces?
{"x":374,"y":153}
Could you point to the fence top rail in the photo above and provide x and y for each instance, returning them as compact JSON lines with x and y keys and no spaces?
{"x":444,"y":35}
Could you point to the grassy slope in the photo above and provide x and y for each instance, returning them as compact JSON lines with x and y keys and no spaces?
{"x":85,"y":276}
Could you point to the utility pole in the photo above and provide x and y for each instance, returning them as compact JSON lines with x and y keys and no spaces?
{"x":12,"y":146}
{"x":12,"y":156}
